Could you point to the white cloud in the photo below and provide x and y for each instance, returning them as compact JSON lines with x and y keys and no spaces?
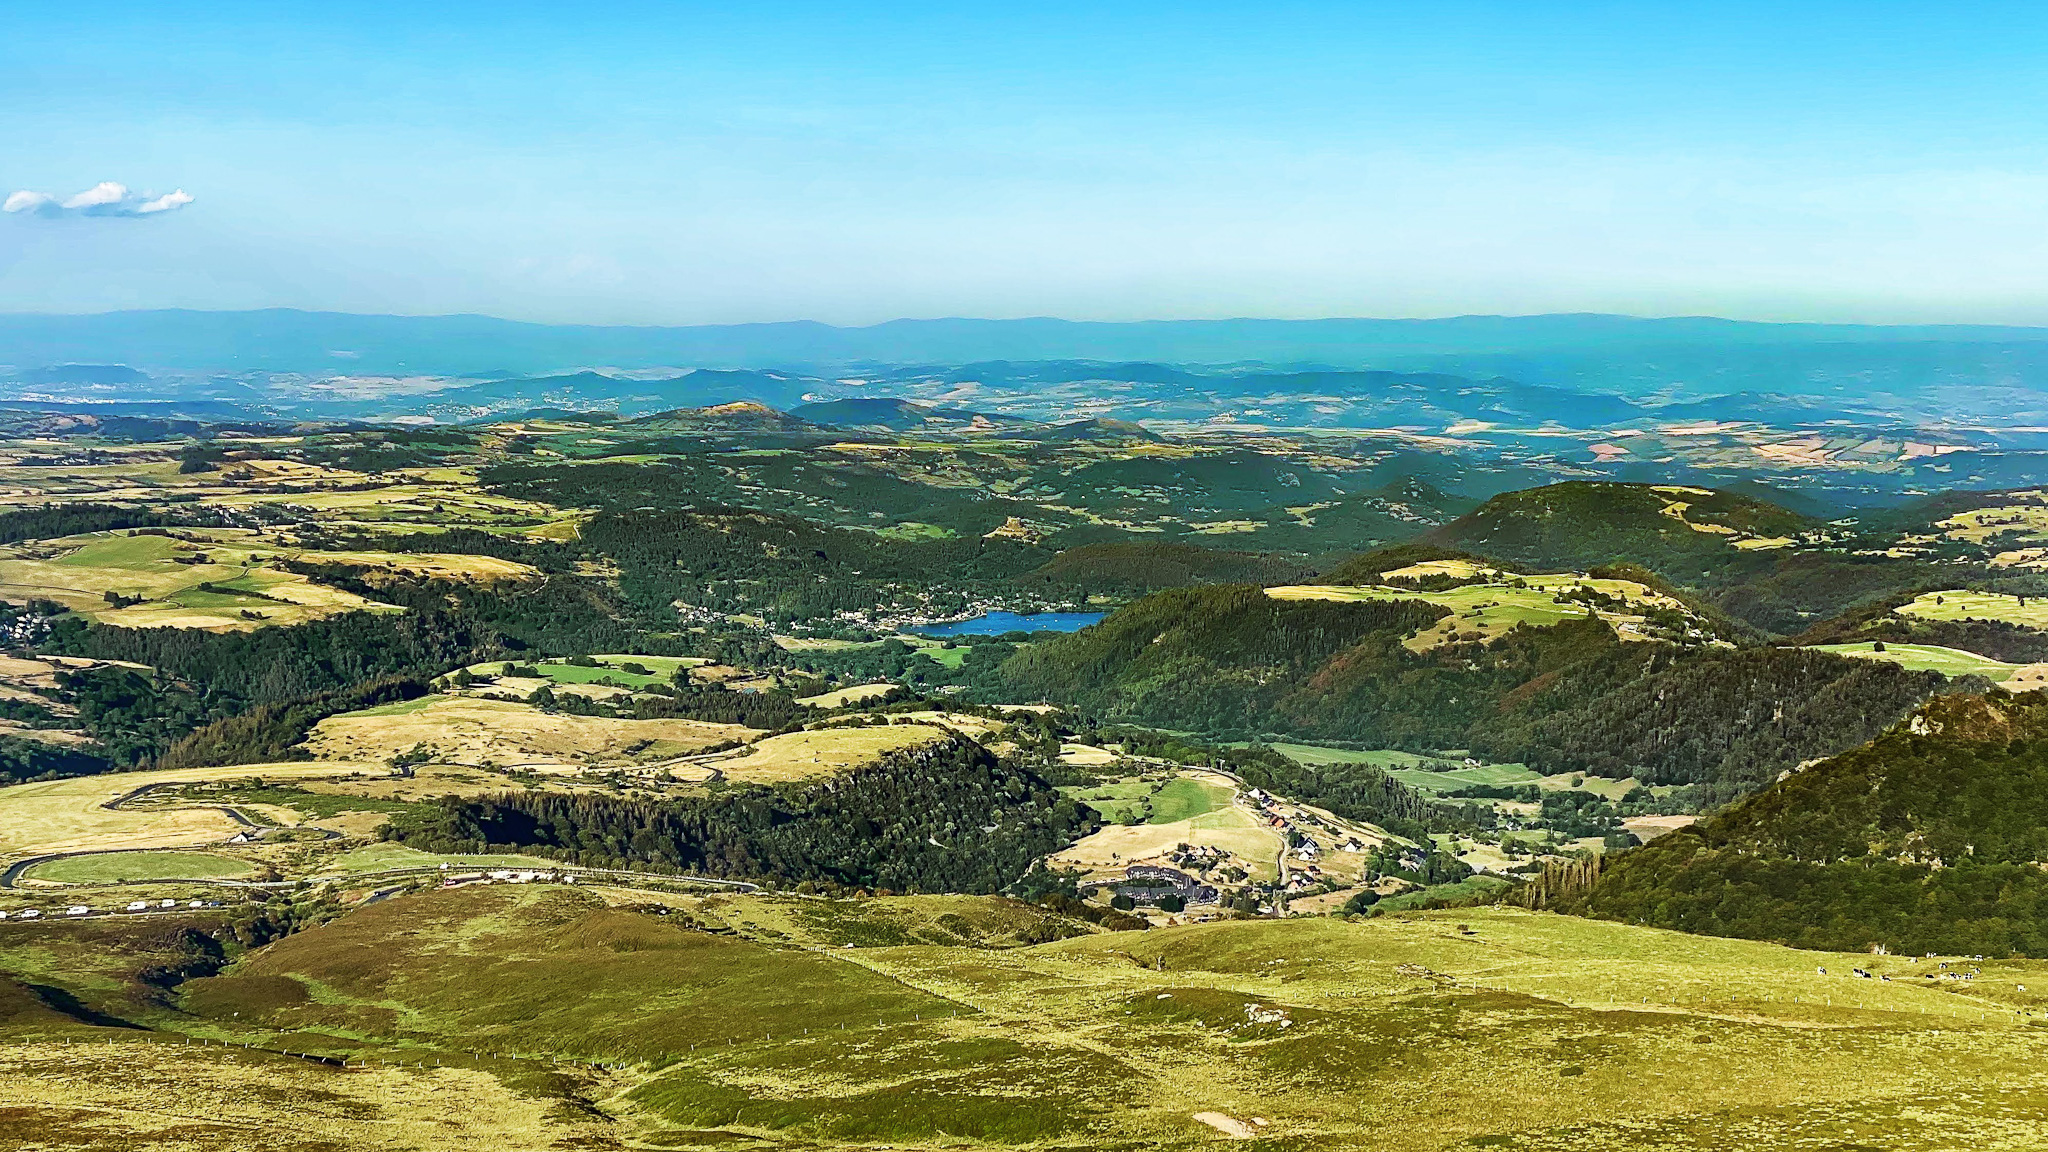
{"x":168,"y":202}
{"x":27,"y":202}
{"x":98,"y":196}
{"x":106,"y":198}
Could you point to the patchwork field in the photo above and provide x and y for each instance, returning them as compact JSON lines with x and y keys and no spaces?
{"x":1484,"y":611}
{"x":215,"y":581}
{"x":1429,"y":773}
{"x":418,"y":500}
{"x":658,"y":670}
{"x":1197,"y":811}
{"x":860,"y":1023}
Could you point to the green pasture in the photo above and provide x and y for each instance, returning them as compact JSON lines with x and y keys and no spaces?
{"x":1182,"y":798}
{"x":121,"y":867}
{"x":2030,"y":612}
{"x":1928,"y":658}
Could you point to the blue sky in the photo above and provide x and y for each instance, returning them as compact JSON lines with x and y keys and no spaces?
{"x":685,"y":163}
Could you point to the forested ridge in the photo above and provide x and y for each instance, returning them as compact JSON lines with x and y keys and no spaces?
{"x":945,"y":817}
{"x":1930,"y":838}
{"x":1234,"y":663}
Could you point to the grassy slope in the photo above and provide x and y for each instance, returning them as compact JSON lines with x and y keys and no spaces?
{"x":1929,"y":658}
{"x":1493,"y":1027}
{"x":1185,"y":799}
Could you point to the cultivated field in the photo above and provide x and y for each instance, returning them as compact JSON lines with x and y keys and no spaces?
{"x":2026,"y":521}
{"x":1194,"y":809}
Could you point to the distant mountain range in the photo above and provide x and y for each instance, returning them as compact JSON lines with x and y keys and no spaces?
{"x":1551,"y":348}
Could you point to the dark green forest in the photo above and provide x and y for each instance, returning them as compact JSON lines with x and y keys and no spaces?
{"x":1928,"y":839}
{"x":947,"y":817}
{"x":1236,"y":664}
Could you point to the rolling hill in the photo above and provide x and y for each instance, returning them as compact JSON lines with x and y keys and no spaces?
{"x":1579,"y":524}
{"x":1102,"y":430}
{"x":891,"y":414}
{"x":1930,"y":838}
{"x":738,"y":416}
{"x":1237,"y":662}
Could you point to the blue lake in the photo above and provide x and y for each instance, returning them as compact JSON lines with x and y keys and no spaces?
{"x":997,"y":623}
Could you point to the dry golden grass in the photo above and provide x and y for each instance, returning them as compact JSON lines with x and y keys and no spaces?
{"x":434,"y":565}
{"x":803,"y":755}
{"x":856,"y":694}
{"x":470,"y":731}
{"x":426,"y":780}
{"x":1086,"y":755}
{"x":68,"y":815}
{"x":170,"y":1096}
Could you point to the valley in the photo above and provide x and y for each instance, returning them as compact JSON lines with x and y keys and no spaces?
{"x":922,"y":776}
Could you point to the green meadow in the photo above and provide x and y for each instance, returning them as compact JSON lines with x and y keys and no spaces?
{"x":1928,"y":658}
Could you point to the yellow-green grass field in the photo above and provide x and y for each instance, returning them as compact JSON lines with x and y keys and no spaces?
{"x":242,"y":586}
{"x":1232,"y":828}
{"x":470,"y":730}
{"x":823,"y":751}
{"x":1119,"y":801}
{"x":951,"y":657}
{"x":1980,"y":524}
{"x":70,"y":815}
{"x":1487,"y":610}
{"x":852,"y":694}
{"x":859,"y":1023}
{"x":660,"y":669}
{"x":1961,"y":605}
{"x":119,"y":867}
{"x":79,"y":571}
{"x":1169,"y":801}
{"x":157,"y":1092}
{"x":1411,"y":768}
{"x":1928,"y":658}
{"x":414,"y":507}
{"x":576,"y":674}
